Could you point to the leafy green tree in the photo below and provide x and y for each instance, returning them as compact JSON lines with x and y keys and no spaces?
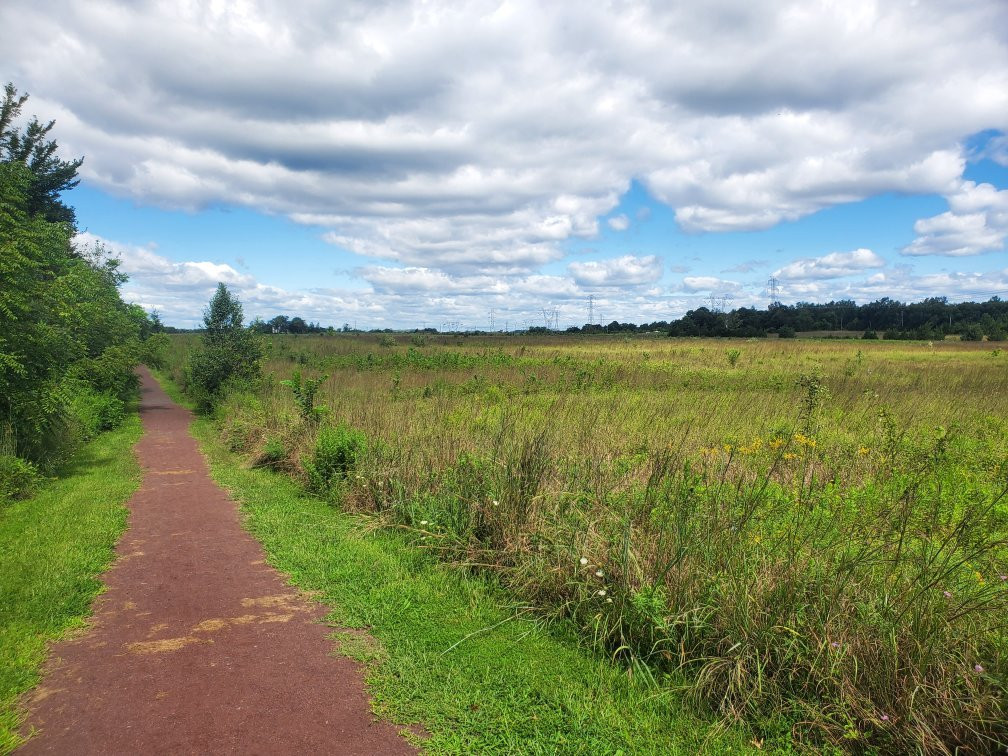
{"x":32,"y":148}
{"x":68,"y":344}
{"x":229,"y":355}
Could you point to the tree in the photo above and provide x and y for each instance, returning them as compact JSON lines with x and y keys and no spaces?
{"x":68,"y":343}
{"x":229,"y":355}
{"x":50,"y":175}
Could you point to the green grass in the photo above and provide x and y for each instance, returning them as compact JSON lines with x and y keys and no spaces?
{"x":52,"y":548}
{"x":447,"y":650}
{"x":806,"y":536}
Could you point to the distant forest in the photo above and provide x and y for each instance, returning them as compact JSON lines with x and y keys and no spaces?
{"x":933,"y":318}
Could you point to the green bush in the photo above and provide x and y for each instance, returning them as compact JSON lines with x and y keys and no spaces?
{"x":17,"y":478}
{"x":338,"y":449}
{"x":97,"y":411}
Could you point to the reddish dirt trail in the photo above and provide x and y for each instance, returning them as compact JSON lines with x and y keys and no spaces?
{"x":198,"y":646}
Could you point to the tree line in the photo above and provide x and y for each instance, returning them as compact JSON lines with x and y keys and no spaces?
{"x":929,"y":319}
{"x":68,"y":342}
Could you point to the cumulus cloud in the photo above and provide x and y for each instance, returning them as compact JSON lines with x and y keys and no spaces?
{"x":627,"y":270}
{"x":482,"y":134}
{"x":976,"y":222}
{"x":833,"y":265}
{"x":619,"y":222}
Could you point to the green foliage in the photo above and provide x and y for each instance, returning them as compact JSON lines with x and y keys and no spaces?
{"x":154,"y":351}
{"x":338,"y":449}
{"x":971,"y":332}
{"x":18,"y":478}
{"x":50,"y":176}
{"x":61,"y":318}
{"x":229,"y":356}
{"x":304,"y":391}
{"x":96,"y":411}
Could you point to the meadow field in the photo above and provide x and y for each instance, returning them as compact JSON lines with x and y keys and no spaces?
{"x":805,"y":535}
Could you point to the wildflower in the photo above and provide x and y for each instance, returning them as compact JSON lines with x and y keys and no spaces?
{"x":863,"y":451}
{"x":495,"y":503}
{"x":978,"y":668}
{"x":599,"y":573}
{"x":885,"y":717}
{"x":979,"y":578}
{"x":834,"y":644}
{"x":790,"y":455}
{"x":583,"y":561}
{"x":1002,"y":578}
{"x":947,"y":594}
{"x":777,"y":443}
{"x":727,"y":448}
{"x":608,"y":600}
{"x":423,"y":522}
{"x":602,"y":592}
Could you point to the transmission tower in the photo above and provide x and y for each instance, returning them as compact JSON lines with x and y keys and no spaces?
{"x":591,"y":308}
{"x":773,"y":286}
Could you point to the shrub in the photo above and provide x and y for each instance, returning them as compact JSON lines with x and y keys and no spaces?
{"x":96,"y":411}
{"x":272,"y":454}
{"x":304,"y":391}
{"x":338,"y":449}
{"x":17,"y":478}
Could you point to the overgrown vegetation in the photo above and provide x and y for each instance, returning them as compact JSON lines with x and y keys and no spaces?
{"x":68,"y":343}
{"x":811,"y":535}
{"x":454,"y":652}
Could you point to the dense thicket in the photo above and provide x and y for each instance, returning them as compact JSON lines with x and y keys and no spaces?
{"x":68,"y":343}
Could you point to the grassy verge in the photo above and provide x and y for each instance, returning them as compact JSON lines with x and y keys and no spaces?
{"x":52,"y":548}
{"x":444,"y":649}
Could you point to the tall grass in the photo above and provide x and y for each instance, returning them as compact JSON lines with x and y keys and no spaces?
{"x":812,"y":534}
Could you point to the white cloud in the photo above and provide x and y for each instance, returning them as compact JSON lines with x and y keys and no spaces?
{"x":627,"y":270}
{"x":976,"y":222}
{"x":709,"y":283}
{"x":619,"y":222}
{"x":480,"y":135}
{"x":833,"y":265}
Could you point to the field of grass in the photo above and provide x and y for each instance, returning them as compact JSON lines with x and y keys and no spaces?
{"x":452,"y":652}
{"x":52,"y":548}
{"x":809,"y":536}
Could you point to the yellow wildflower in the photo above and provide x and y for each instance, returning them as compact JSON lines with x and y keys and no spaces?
{"x":863,"y":451}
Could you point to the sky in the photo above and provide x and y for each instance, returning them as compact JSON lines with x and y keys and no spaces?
{"x":416,"y":164}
